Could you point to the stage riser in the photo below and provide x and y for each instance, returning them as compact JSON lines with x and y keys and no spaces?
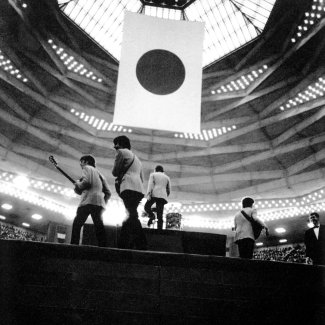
{"x":166,"y":240}
{"x":63,"y":284}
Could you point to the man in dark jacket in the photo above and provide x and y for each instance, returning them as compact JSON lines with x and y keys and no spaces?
{"x":315,"y":240}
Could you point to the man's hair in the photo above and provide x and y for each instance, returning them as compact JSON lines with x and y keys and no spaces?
{"x":247,"y":202}
{"x":159,"y":168}
{"x":89,"y":159}
{"x":314,"y":214}
{"x":123,"y":141}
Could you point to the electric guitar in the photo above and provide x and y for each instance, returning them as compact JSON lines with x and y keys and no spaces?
{"x":53,"y":161}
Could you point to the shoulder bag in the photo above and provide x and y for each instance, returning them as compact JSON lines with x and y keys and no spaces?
{"x":257,"y":227}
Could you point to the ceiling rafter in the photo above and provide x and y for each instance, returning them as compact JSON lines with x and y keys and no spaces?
{"x":315,"y":177}
{"x":50,"y":52}
{"x":230,"y":177}
{"x":29,"y":167}
{"x":62,"y":23}
{"x":249,"y":97}
{"x":92,"y":140}
{"x":263,"y":39}
{"x":269,"y":121}
{"x":82,"y":60}
{"x":46,"y":102}
{"x":266,"y":36}
{"x":248,"y":147}
{"x":226,"y":122}
{"x":237,"y":75}
{"x":69,"y":103}
{"x":299,"y":127}
{"x":271,"y":69}
{"x":318,"y":27}
{"x":293,"y":91}
{"x":273,"y":152}
{"x":65,"y":80}
{"x":80,"y":123}
{"x":26,"y":71}
{"x":56,"y":143}
{"x":317,"y":56}
{"x":102,"y":62}
{"x":313,"y":159}
{"x":38,"y":37}
{"x":13,"y":105}
{"x":176,"y":155}
{"x":217,"y":74}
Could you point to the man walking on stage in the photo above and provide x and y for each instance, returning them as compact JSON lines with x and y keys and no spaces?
{"x":95,"y":194}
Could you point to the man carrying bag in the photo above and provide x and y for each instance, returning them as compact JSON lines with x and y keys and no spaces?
{"x":245,"y":222}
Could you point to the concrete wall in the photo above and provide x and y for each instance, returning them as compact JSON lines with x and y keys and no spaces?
{"x":45,"y":283}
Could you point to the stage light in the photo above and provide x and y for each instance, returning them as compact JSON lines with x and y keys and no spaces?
{"x":280,"y":230}
{"x":37,"y":216}
{"x":6,"y":206}
{"x":21,"y":181}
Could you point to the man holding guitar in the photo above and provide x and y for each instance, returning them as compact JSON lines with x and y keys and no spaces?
{"x":95,"y":193}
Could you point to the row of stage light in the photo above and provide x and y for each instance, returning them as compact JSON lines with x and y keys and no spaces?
{"x":196,"y":216}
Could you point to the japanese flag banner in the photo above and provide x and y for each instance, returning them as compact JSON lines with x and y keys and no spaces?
{"x":160,"y":74}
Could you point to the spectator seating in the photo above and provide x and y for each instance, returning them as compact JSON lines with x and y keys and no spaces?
{"x":8,"y":231}
{"x":293,"y":254}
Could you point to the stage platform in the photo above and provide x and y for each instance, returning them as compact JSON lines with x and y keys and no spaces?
{"x":175,"y":241}
{"x":44,"y":283}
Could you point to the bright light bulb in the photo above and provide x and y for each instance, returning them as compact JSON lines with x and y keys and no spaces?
{"x":6,"y":206}
{"x":21,"y":181}
{"x":37,"y":216}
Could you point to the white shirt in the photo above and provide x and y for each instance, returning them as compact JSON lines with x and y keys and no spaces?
{"x":316,"y":231}
{"x":243,"y":227}
{"x":159,"y":185}
{"x":94,"y":187}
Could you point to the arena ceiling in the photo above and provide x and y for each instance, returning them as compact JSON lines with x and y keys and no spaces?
{"x":262,"y":122}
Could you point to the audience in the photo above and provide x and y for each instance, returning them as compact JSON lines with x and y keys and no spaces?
{"x":285,"y":254}
{"x":11,"y":232}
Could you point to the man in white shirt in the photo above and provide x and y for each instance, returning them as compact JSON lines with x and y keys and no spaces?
{"x":95,"y":193}
{"x":244,"y":236}
{"x":314,"y":240}
{"x":128,"y":167}
{"x":158,"y":191}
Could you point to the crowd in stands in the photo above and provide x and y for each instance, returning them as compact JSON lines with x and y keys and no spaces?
{"x":285,"y":254}
{"x":11,"y":232}
{"x":294,"y":254}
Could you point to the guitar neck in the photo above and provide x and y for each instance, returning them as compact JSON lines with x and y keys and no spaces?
{"x":66,"y":175}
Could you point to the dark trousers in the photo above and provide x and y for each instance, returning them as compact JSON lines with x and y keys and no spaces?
{"x":82,"y":214}
{"x":132,"y":234}
{"x":160,"y":203}
{"x":246,"y":247}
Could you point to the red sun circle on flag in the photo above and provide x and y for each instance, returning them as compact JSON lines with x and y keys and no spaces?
{"x":160,"y":72}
